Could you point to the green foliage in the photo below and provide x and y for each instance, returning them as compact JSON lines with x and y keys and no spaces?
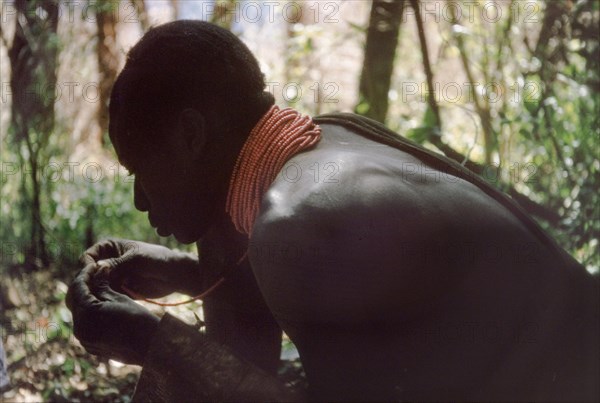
{"x":77,"y":211}
{"x":533,"y":115}
{"x":429,"y":127}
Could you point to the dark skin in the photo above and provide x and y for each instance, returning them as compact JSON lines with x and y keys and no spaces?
{"x":394,"y":282}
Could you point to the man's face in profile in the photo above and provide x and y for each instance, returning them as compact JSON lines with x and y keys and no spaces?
{"x":169,"y":188}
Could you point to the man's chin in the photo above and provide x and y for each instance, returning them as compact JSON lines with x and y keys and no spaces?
{"x":186,"y":238}
{"x":163,"y":232}
{"x":185,"y":234}
{"x":183,"y":238}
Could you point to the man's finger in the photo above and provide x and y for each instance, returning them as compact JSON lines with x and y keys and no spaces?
{"x":79,"y":293}
{"x":93,"y":253}
{"x":105,"y":293}
{"x":108,"y":248}
{"x":114,"y":263}
{"x":123,"y":267}
{"x":92,"y":349}
{"x":86,"y":259}
{"x":101,"y":288}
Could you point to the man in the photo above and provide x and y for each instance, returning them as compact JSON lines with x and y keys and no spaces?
{"x":397,"y":274}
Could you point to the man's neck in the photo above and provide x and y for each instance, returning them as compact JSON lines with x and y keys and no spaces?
{"x":221,"y":247}
{"x":237,"y":139}
{"x":279,"y":135}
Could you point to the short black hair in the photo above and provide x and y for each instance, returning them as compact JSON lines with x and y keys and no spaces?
{"x":185,"y":64}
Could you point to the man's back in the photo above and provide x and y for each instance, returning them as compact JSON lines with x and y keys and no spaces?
{"x":397,"y":280}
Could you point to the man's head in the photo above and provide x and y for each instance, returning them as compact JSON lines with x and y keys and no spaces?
{"x":180,"y":110}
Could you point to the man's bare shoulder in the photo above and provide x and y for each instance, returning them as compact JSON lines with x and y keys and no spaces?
{"x":343,"y":171}
{"x":349,"y":182}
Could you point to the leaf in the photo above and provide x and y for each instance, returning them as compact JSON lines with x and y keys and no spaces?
{"x":420,"y":134}
{"x":363,"y":108}
{"x":429,"y":119}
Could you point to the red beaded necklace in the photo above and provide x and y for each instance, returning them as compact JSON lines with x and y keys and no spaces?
{"x":280,"y":134}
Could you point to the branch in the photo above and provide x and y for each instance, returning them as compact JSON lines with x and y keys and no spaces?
{"x":426,"y":63}
{"x":484,"y":113}
{"x":532,"y":207}
{"x":378,"y":63}
{"x":140,"y":7}
{"x":529,"y":205}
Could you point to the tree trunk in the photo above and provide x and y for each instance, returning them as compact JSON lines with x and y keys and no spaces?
{"x":175,"y":7}
{"x":33,"y":57}
{"x":140,"y":7}
{"x":108,"y":62}
{"x":224,"y":13}
{"x":431,"y":101}
{"x":378,"y":65}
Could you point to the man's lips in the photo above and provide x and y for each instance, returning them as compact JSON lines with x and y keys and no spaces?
{"x":151,"y":221}
{"x":160,"y":229}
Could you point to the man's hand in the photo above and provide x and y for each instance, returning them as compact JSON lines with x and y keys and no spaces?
{"x":106,"y":322}
{"x":150,"y":270}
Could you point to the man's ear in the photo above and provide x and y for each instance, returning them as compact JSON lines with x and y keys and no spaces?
{"x":193,"y":127}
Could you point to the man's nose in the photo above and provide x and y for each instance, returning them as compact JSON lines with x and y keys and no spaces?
{"x":140,"y":201}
